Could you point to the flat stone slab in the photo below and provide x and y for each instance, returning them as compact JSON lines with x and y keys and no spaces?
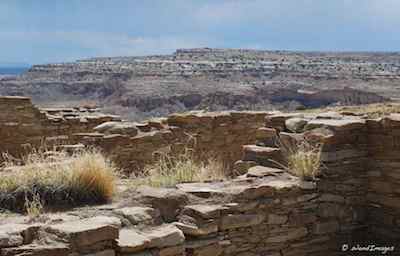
{"x":203,"y":210}
{"x":167,"y":235}
{"x":87,"y":231}
{"x":198,"y":229}
{"x":338,"y":125}
{"x":12,"y":234}
{"x":260,"y":151}
{"x":262,"y":171}
{"x":132,"y":241}
{"x":164,"y":236}
{"x":201,"y":189}
{"x":137,"y":215}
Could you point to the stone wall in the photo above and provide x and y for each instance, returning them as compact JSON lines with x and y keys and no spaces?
{"x":383,"y":172}
{"x":359,"y":184}
{"x":256,"y":214}
{"x":24,"y":127}
{"x":264,"y":211}
{"x":217,"y":135}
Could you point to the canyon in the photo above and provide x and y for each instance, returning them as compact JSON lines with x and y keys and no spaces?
{"x":212,"y":79}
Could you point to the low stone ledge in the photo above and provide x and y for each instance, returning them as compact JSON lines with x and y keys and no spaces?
{"x":86,"y":232}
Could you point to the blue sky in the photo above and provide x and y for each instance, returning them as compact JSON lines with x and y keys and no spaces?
{"x":46,"y":31}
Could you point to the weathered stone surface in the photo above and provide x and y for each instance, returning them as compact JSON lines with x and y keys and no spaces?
{"x":213,"y":249}
{"x":171,"y":251}
{"x":326,"y":227}
{"x":337,"y":125}
{"x":291,"y":234}
{"x":127,"y":128}
{"x":274,"y":219}
{"x":137,"y":215}
{"x":109,"y":252}
{"x":87,"y":231}
{"x":262,"y":171}
{"x":253,"y":152}
{"x":204,"y":190}
{"x":38,"y":250}
{"x":131,"y":241}
{"x":241,"y":167}
{"x":204,"y":211}
{"x":331,"y":198}
{"x":295,"y":124}
{"x":164,"y":236}
{"x":168,"y":201}
{"x":241,"y":220}
{"x":193,"y":229}
{"x":12,"y":235}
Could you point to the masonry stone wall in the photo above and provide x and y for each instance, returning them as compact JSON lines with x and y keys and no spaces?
{"x":211,"y":135}
{"x":217,"y":135}
{"x":383,"y":172}
{"x":251,"y":215}
{"x":24,"y":127}
{"x":264,"y":211}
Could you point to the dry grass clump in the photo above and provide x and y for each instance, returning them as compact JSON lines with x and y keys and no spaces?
{"x":34,"y":208}
{"x":61,"y":180}
{"x":304,"y":160}
{"x":170,"y":170}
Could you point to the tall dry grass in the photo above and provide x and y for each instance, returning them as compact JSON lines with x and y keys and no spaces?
{"x":58,"y":179}
{"x":303,"y":159}
{"x":170,"y":170}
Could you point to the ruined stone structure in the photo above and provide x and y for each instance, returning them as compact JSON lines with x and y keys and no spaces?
{"x":130,"y":145}
{"x":263,"y":211}
{"x":24,"y":127}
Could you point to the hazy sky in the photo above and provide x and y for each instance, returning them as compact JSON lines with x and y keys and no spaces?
{"x":41,"y":31}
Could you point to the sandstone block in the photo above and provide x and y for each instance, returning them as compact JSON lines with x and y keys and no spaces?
{"x":197,"y":229}
{"x":164,"y":236}
{"x":137,"y":215}
{"x":125,"y":128}
{"x":87,"y":231}
{"x":167,"y":201}
{"x":241,"y":220}
{"x":295,"y":124}
{"x":206,"y":211}
{"x":130,"y":241}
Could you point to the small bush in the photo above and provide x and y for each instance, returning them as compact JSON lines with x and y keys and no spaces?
{"x":304,"y":160}
{"x":170,"y":170}
{"x":58,"y":180}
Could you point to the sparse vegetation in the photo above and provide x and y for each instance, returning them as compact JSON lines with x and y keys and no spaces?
{"x":303,"y":160}
{"x":57,"y":180}
{"x":170,"y":170}
{"x":34,"y":207}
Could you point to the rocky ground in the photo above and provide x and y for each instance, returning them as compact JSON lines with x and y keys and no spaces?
{"x":212,"y":79}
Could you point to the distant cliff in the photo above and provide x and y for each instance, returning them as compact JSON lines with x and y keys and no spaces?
{"x":213,"y":79}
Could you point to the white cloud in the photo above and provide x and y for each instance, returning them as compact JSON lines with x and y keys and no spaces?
{"x":103,"y":44}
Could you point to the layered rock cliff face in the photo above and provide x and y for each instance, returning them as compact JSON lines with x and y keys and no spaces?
{"x":213,"y":79}
{"x":263,"y":211}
